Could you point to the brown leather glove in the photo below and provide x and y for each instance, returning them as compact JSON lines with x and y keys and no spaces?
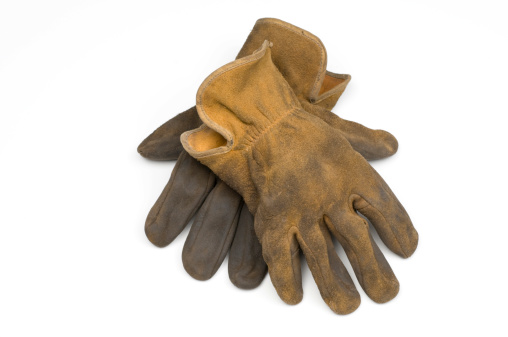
{"x":301,"y":179}
{"x":219,"y":213}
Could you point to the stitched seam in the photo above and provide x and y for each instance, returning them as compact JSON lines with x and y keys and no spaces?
{"x":249,"y":140}
{"x":254,"y":139}
{"x":199,"y":104}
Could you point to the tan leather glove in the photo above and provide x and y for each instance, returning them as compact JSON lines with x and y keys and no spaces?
{"x":221,"y":223}
{"x":302,"y":180}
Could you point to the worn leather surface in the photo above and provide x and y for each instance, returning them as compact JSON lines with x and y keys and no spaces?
{"x":164,"y":142}
{"x":192,"y":192}
{"x":300,"y":56}
{"x":302,"y":180}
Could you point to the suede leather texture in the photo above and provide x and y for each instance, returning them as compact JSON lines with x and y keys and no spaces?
{"x":194,"y":192}
{"x":164,"y":142}
{"x":300,"y":56}
{"x":302,"y":180}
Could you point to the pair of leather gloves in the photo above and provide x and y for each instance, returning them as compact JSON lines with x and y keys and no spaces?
{"x":268,"y":171}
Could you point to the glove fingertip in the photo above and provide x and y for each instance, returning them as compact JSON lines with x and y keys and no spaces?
{"x":154,"y":233}
{"x":247,"y":281}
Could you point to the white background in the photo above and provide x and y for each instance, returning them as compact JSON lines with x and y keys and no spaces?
{"x":83,"y":82}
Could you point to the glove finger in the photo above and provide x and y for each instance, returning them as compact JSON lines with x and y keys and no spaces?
{"x":189,"y":184}
{"x":371,"y":268}
{"x":246,"y":265}
{"x":164,"y":143}
{"x":212,"y":232}
{"x":377,"y":202}
{"x":371,"y":144}
{"x":282,"y":256}
{"x":334,"y":283}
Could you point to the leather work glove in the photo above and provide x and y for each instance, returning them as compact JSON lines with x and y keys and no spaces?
{"x":221,"y":222}
{"x":302,"y":180}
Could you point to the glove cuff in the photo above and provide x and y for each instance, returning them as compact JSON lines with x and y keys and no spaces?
{"x":301,"y":57}
{"x":238,"y":103}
